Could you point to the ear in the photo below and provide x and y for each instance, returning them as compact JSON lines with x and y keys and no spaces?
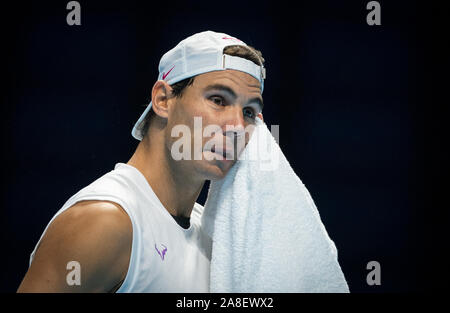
{"x":160,"y":96}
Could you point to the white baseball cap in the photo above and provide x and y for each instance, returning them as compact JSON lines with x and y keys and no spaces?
{"x":198,"y":54}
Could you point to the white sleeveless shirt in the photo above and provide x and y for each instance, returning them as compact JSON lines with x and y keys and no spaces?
{"x":164,"y":256}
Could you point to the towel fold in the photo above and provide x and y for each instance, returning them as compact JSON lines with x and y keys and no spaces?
{"x":267,"y":233}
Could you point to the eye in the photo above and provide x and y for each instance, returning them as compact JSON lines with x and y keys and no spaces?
{"x":217,"y":100}
{"x":249,"y":112}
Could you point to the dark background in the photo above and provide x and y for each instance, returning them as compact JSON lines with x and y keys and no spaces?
{"x":354,"y":104}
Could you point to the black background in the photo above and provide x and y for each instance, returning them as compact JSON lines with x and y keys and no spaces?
{"x":354,"y":103}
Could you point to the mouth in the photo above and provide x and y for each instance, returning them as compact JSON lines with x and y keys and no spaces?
{"x":227,"y":155}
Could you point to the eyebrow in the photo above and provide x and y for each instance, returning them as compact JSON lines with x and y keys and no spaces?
{"x":227,"y":89}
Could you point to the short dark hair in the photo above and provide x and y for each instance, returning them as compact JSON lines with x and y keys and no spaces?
{"x":246,"y":52}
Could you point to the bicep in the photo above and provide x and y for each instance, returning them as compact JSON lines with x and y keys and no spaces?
{"x":91,"y":242}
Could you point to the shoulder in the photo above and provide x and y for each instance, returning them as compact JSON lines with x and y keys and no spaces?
{"x":121,"y":183}
{"x":92,"y":226}
{"x":101,"y":211}
{"x":98,"y":215}
{"x":97,"y":235}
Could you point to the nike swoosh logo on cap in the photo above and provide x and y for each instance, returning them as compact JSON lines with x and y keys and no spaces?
{"x":232,"y":38}
{"x":165,"y":74}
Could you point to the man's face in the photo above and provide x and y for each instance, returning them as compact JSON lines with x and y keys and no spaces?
{"x":227,"y":101}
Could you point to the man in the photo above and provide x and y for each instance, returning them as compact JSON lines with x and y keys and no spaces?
{"x":137,"y":228}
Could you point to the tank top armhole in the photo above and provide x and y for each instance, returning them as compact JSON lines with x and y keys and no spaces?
{"x":133,"y":265}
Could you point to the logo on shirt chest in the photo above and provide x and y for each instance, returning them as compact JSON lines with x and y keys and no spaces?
{"x":162,"y":251}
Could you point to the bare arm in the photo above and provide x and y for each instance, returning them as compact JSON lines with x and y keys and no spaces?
{"x":96,"y":234}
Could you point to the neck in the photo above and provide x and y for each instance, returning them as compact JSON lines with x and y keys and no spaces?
{"x":172,"y":183}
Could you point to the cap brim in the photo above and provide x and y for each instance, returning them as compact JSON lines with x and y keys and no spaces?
{"x":137,"y":129}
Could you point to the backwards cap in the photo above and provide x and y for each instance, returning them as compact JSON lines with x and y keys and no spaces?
{"x":198,"y":54}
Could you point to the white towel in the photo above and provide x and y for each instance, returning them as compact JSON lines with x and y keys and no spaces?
{"x":266,"y":230}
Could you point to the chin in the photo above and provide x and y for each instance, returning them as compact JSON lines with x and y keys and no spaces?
{"x":214,"y":170}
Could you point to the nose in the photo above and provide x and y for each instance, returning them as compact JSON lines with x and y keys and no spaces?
{"x":235,"y":123}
